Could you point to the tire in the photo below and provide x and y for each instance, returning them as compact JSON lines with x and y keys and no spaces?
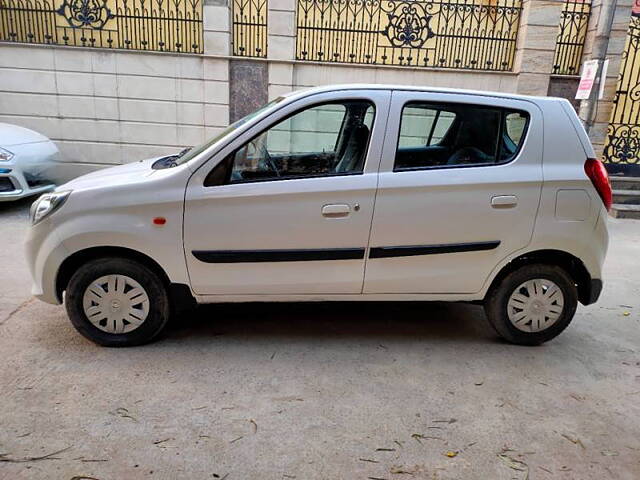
{"x":543,"y":316}
{"x":130,"y":317}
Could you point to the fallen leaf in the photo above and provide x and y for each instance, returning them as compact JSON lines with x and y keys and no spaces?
{"x":608,"y":453}
{"x":368,"y":460}
{"x":513,"y":463}
{"x":450,"y":420}
{"x":158,"y":442}
{"x":124,"y":413}
{"x":404,"y":470}
{"x":451,"y":454}
{"x":418,"y":437}
{"x":626,"y":314}
{"x":575,"y":441}
{"x":50,"y":456}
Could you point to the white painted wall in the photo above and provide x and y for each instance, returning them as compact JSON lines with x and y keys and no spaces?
{"x":111,"y":107}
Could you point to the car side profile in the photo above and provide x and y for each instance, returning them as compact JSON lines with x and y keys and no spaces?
{"x":351,"y":192}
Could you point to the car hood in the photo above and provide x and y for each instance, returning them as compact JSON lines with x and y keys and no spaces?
{"x":129,"y":173}
{"x":15,"y":135}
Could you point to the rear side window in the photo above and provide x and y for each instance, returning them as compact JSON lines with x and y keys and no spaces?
{"x":436,"y":135}
{"x":424,"y":126}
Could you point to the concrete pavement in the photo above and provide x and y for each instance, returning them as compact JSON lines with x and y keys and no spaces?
{"x":322,"y":391}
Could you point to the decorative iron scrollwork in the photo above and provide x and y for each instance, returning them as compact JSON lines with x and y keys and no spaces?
{"x":86,"y":13}
{"x":470,"y":34}
{"x":572,"y":32}
{"x":158,"y":25}
{"x":623,"y":144}
{"x":408,"y":25}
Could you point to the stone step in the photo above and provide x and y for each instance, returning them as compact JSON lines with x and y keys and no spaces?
{"x":626,"y":196}
{"x":625,"y":183}
{"x":619,"y":210}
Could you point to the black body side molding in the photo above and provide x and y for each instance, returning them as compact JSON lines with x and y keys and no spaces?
{"x":262,"y":256}
{"x":415,"y":250}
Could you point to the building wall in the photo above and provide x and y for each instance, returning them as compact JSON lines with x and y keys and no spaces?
{"x":111,"y":107}
{"x":105,"y":107}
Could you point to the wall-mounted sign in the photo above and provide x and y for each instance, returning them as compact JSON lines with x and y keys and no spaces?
{"x":589,"y":71}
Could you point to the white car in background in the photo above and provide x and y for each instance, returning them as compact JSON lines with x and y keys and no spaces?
{"x":340,"y":193}
{"x":27,"y":162}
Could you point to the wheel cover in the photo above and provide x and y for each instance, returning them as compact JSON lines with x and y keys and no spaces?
{"x":116,"y":304}
{"x":535,"y":305}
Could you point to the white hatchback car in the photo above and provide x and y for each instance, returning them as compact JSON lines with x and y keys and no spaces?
{"x":340,"y":193}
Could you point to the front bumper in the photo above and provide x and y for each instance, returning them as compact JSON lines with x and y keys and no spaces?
{"x":45,"y":253}
{"x":14,"y":185}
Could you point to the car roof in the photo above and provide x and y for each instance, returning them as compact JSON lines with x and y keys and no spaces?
{"x":411,"y":88}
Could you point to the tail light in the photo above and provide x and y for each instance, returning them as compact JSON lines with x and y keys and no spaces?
{"x":598,"y":175}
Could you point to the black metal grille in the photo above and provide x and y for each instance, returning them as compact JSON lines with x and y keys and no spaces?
{"x":622,"y":149}
{"x":574,"y":21}
{"x":6,"y":185}
{"x":159,"y":25}
{"x":468,"y":34}
{"x":249,"y":28}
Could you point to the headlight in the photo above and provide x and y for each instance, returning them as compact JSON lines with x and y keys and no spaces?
{"x":47,"y":204}
{"x":5,"y":155}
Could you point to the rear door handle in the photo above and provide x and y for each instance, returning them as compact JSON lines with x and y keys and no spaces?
{"x":504,"y":201}
{"x":336,"y":210}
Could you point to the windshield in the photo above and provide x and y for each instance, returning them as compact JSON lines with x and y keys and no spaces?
{"x":185,"y":156}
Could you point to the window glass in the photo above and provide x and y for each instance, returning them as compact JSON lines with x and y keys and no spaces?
{"x":328,"y":139}
{"x":422,"y":126}
{"x":515,"y":123}
{"x":194,"y":152}
{"x":447,"y":135}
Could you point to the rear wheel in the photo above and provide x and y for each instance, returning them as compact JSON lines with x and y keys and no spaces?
{"x":532,"y":304}
{"x":117,"y":302}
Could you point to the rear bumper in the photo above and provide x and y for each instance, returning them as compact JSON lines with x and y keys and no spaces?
{"x":595,"y":288}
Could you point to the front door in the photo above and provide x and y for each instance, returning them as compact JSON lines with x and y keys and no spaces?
{"x":459,"y":187}
{"x":287,"y":208}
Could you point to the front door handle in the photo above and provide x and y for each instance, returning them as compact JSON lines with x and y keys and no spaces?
{"x":336,"y":210}
{"x":504,"y":201}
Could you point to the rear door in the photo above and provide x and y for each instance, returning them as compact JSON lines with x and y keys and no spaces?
{"x":450,"y":206}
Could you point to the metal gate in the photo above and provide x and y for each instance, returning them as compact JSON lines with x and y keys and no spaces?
{"x":622,"y":145}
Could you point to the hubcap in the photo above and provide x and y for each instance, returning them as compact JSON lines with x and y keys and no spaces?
{"x":116,"y":304}
{"x":535,"y":305}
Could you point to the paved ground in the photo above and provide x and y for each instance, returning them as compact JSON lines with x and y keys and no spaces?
{"x":322,"y":391}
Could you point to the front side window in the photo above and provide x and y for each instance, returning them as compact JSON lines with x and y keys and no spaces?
{"x":323,"y":140}
{"x":436,"y":135}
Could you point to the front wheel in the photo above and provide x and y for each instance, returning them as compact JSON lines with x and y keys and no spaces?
{"x":532,"y":304}
{"x":117,"y":302}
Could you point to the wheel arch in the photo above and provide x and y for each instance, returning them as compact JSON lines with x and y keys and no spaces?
{"x":75,"y":260}
{"x":570,"y":263}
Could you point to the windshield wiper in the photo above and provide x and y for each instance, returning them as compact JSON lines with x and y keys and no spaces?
{"x":170,"y":160}
{"x":184,"y":151}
